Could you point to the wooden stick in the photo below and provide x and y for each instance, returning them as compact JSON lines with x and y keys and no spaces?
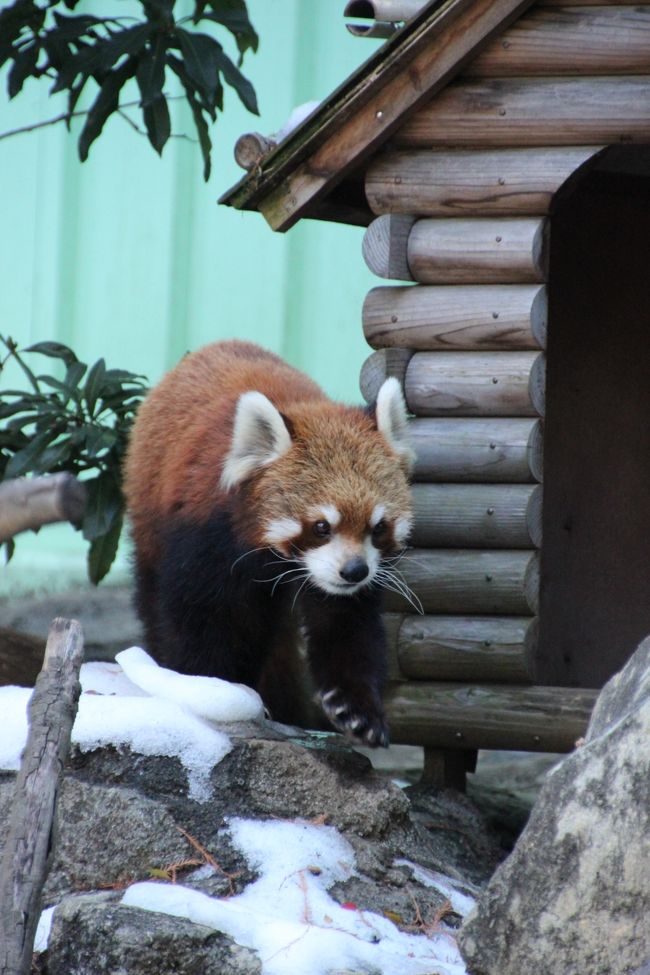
{"x":498,"y":450}
{"x":477,"y":516}
{"x":451,"y":715}
{"x":495,"y":112}
{"x":471,"y":182}
{"x":469,"y":582}
{"x":570,"y":42}
{"x":472,"y":317}
{"x":475,"y":384}
{"x":29,"y":834}
{"x":28,"y":503}
{"x":474,"y":648}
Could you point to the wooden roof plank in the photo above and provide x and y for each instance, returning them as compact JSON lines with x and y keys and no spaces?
{"x":347,"y":129}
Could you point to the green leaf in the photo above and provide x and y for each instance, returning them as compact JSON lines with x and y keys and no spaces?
{"x":103,"y":550}
{"x":201,"y":54}
{"x":94,"y":384}
{"x":236,"y":80}
{"x":233,"y":15}
{"x":103,"y":504}
{"x":10,"y":548}
{"x":24,"y":461}
{"x":99,"y":58}
{"x":197,"y":112}
{"x":53,"y":457}
{"x":104,"y":105}
{"x":56,"y":350}
{"x":158,"y":123}
{"x":150,"y":74}
{"x":24,"y":65}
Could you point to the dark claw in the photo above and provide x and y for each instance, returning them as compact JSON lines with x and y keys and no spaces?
{"x":363,"y":726}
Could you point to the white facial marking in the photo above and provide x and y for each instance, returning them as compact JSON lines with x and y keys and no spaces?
{"x":325,"y":562}
{"x":379,"y":512}
{"x":282,"y":530}
{"x":402,"y":530}
{"x":332,"y":514}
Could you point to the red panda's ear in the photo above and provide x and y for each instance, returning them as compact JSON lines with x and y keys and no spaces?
{"x":392,"y":423}
{"x":259,"y":437}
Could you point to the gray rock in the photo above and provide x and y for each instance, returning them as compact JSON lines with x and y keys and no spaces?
{"x":94,"y":933}
{"x":574,"y":896}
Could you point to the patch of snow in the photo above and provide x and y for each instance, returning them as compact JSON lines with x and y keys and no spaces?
{"x":13,"y":708}
{"x":101,"y":677}
{"x":296,"y":117}
{"x":151,"y":726}
{"x":43,"y":928}
{"x":461,"y":903}
{"x":288,"y":917}
{"x":208,"y":697}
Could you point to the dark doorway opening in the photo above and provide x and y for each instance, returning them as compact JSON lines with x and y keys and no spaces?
{"x":595,"y":582}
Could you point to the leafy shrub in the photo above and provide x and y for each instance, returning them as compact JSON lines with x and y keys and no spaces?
{"x":42,"y":41}
{"x":80,"y":424}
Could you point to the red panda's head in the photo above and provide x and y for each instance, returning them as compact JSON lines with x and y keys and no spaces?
{"x":325,"y":485}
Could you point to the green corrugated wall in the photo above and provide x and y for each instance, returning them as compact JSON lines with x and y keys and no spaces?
{"x":127,"y":256}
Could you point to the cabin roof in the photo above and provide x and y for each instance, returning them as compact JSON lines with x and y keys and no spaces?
{"x":316,"y":171}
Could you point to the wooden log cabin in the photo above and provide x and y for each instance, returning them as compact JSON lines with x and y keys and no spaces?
{"x":498,"y":152}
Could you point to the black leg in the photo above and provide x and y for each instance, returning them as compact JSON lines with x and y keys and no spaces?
{"x":346,"y":646}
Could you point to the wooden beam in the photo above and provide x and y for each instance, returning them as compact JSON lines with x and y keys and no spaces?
{"x":518,"y":111}
{"x":467,"y":384}
{"x":469,"y":582}
{"x":474,"y":648}
{"x":28,"y":847}
{"x":483,"y":251}
{"x":476,"y":183}
{"x":441,"y":715}
{"x":468,"y":450}
{"x":564,"y":40}
{"x":457,"y":317}
{"x":477,"y":516}
{"x":365,"y":112}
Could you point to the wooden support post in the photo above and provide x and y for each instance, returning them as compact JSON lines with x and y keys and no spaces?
{"x":384,"y":246}
{"x":29,"y":834}
{"x":477,"y":516}
{"x":447,"y":768}
{"x":379,"y":366}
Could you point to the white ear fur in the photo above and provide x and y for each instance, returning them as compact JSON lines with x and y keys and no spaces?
{"x":392,"y":421}
{"x":259,"y":437}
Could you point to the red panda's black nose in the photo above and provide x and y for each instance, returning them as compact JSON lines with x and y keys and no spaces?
{"x":354,"y":570}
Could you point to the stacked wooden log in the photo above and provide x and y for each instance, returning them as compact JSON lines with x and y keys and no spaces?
{"x":462,"y":195}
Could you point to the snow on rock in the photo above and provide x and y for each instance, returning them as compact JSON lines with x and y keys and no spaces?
{"x":296,"y":117}
{"x":207,"y":697}
{"x":13,"y":708}
{"x":461,"y":903}
{"x":287,"y":915}
{"x":43,"y":929}
{"x":148,"y":708}
{"x":151,"y":726}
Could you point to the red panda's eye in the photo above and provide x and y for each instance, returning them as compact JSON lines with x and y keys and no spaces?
{"x":321,"y":528}
{"x":380,"y":529}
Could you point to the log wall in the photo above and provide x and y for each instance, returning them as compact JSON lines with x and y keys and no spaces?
{"x":462,"y":194}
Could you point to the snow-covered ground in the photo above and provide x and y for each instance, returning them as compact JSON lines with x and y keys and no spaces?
{"x":287,"y":914}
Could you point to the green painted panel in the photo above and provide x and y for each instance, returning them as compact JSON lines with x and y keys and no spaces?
{"x":129,"y":257}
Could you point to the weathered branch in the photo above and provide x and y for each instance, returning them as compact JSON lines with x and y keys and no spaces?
{"x":32,"y":502}
{"x":29,"y":842}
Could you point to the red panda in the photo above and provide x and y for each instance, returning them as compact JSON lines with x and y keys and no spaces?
{"x":259,"y":507}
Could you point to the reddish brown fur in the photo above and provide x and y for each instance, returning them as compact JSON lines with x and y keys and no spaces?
{"x":182,"y":435}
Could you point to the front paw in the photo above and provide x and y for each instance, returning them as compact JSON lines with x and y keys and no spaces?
{"x":362,"y":721}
